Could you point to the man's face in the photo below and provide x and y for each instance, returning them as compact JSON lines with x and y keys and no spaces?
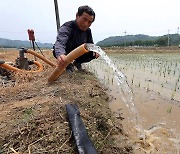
{"x":84,"y":21}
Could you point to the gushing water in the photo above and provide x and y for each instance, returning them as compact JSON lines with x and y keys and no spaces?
{"x":124,"y":88}
{"x":146,"y":137}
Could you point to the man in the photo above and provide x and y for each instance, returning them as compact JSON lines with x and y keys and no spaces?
{"x":73,"y":34}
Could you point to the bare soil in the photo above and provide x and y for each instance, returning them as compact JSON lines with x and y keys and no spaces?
{"x":33,"y":117}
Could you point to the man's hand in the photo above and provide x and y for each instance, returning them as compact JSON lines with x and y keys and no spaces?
{"x":61,"y":60}
{"x":96,"y":55}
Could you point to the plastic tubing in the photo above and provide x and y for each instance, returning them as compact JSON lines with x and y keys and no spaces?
{"x":41,"y":57}
{"x":40,"y":67}
{"x":79,"y":51}
{"x":9,"y":67}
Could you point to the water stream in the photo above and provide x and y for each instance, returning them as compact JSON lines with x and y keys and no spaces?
{"x":145,"y":137}
{"x":125,"y":90}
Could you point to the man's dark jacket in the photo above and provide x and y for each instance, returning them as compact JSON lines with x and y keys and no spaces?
{"x":70,"y":37}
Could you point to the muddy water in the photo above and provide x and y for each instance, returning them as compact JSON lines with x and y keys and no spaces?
{"x":154,"y":82}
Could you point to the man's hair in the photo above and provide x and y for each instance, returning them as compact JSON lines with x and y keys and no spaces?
{"x":87,"y":10}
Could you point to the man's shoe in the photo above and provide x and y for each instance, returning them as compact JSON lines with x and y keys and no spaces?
{"x":70,"y":68}
{"x":78,"y":65}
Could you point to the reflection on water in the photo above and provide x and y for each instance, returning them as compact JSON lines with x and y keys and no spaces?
{"x":157,"y":72}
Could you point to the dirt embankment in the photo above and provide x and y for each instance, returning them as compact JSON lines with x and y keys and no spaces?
{"x":33,"y":116}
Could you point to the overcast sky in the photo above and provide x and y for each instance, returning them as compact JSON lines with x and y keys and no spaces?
{"x":113,"y":17}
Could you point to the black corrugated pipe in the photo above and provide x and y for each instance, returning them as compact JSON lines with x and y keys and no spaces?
{"x":83,"y":142}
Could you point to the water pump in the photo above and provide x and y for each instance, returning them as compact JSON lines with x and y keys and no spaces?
{"x":22,"y":61}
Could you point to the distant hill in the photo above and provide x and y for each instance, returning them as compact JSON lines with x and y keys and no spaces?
{"x":140,"y":40}
{"x":7,"y":43}
{"x":128,"y":40}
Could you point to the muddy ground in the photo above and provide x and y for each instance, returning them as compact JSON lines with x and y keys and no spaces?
{"x":33,"y":117}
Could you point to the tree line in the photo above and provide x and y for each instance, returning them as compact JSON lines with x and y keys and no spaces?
{"x":141,"y":40}
{"x":7,"y":43}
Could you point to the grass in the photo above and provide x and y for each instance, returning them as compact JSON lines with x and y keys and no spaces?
{"x":169,"y":110}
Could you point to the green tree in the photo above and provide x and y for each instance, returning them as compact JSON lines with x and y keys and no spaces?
{"x":162,"y":41}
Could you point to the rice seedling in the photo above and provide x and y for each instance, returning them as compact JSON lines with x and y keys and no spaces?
{"x":162,"y":70}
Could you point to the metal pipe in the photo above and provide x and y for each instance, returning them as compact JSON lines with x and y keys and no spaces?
{"x":21,"y":52}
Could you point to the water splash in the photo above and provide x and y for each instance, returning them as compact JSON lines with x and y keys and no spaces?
{"x":125,"y":90}
{"x":146,"y":138}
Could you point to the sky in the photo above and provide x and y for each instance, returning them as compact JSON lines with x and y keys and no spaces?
{"x":113,"y":18}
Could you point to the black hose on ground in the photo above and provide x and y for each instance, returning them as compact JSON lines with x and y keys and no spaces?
{"x":83,"y":142}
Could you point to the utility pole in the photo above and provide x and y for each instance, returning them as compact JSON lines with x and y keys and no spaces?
{"x":57,"y":15}
{"x":125,"y":38}
{"x":168,"y":37}
{"x":178,"y":30}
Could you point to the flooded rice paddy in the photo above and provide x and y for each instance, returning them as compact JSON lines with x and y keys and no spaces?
{"x":157,"y":72}
{"x":154,"y":81}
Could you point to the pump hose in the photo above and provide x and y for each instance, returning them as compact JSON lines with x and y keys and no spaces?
{"x":82,"y":49}
{"x":41,"y":57}
{"x":40,"y":67}
{"x":9,"y":67}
